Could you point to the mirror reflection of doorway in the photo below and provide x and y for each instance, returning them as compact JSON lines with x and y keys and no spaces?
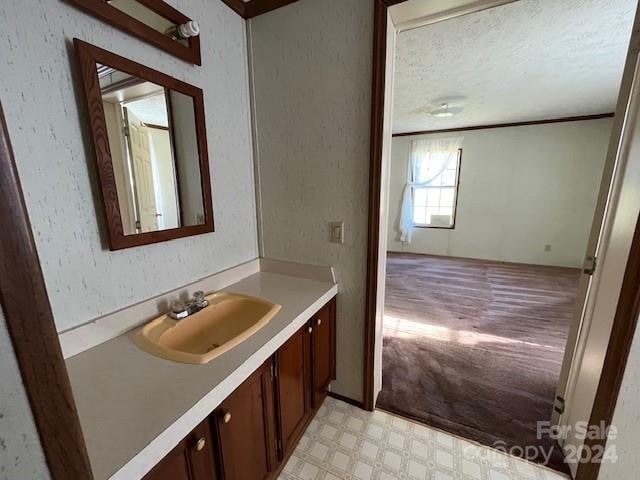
{"x":154,"y":151}
{"x":153,"y":173}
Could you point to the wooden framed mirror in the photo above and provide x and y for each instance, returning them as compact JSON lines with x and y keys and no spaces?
{"x":150,"y":144}
{"x":153,"y":21}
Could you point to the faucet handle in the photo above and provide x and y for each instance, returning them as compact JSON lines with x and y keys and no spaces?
{"x":179,"y":310}
{"x":199,"y":299}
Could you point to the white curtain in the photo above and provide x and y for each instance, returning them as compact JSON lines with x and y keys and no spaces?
{"x":428,"y":159}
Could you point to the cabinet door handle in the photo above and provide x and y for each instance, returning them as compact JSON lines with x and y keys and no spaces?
{"x":319,"y":321}
{"x":310,"y":329}
{"x":226,"y":418}
{"x":200,"y":444}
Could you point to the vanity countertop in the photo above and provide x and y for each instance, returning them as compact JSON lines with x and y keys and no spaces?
{"x":134,"y":407}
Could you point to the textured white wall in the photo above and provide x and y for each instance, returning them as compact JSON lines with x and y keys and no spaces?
{"x":42,"y":99}
{"x":521,"y":188}
{"x":312,"y":81}
{"x":20,"y":451}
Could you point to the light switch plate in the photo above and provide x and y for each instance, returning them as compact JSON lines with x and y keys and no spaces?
{"x":336,"y":232}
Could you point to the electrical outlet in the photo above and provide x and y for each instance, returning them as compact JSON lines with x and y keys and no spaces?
{"x":547,"y":248}
{"x":336,"y":232}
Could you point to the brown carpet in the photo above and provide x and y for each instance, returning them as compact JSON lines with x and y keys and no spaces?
{"x":475,"y":347}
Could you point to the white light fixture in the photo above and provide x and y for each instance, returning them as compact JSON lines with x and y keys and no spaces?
{"x":189,"y":29}
{"x":445,"y":111}
{"x":184,"y":31}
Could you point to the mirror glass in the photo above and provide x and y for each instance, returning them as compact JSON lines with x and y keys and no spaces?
{"x":154,"y":151}
{"x":144,"y":14}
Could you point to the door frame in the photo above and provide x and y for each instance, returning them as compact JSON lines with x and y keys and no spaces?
{"x":628,"y":308}
{"x":377,"y":145}
{"x":581,"y":319}
{"x":24,"y":301}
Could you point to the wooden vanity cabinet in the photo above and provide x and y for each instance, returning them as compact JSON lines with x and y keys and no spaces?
{"x":294,"y":402}
{"x":245,"y":427}
{"x":192,"y":459}
{"x":323,"y":351}
{"x":256,"y":428}
{"x":304,"y":367}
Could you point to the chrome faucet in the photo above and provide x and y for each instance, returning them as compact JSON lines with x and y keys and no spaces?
{"x":180,"y":310}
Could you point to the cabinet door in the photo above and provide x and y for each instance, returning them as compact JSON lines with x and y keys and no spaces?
{"x":323,"y":352}
{"x":246,"y":429}
{"x":293,"y":384}
{"x":192,"y":459}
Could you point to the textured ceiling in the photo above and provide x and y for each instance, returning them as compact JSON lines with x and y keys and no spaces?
{"x":414,"y":13}
{"x":527,"y":60}
{"x":151,"y":110}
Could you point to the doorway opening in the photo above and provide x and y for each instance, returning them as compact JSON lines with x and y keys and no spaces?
{"x":504,"y":146}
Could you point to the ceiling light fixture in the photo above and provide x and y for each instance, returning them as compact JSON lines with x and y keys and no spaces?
{"x":445,"y":111}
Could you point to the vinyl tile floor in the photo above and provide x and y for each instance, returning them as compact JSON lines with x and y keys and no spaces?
{"x":344,"y":442}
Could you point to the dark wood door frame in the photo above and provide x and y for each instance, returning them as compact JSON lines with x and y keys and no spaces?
{"x":27,"y":311}
{"x":375,"y":188}
{"x":546,"y":121}
{"x":253,"y":8}
{"x":628,"y":308}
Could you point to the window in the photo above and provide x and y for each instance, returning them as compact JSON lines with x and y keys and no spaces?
{"x":435,"y":205}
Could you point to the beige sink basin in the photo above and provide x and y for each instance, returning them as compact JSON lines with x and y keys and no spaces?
{"x":229,"y":319}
